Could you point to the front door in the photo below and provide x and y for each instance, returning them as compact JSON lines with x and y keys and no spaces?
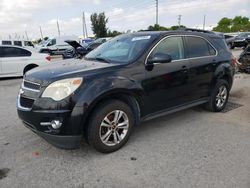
{"x":167,"y":84}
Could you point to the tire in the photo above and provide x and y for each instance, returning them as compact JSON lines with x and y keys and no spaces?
{"x":218,"y":99}
{"x":104,"y":133}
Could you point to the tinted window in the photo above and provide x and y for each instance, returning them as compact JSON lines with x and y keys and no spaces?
{"x":13,"y":52}
{"x":6,"y":42}
{"x":172,"y":46}
{"x":18,"y":43}
{"x":198,"y":47}
{"x":123,"y":48}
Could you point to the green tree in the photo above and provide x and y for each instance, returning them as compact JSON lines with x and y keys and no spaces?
{"x":113,"y":33}
{"x":175,"y":27}
{"x":157,"y":27}
{"x":224,"y":25}
{"x":238,"y":23}
{"x":98,"y":23}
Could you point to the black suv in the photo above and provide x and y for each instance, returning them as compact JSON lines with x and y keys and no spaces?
{"x":242,"y":40}
{"x":127,"y":80}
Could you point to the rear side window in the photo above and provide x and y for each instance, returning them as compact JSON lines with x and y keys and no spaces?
{"x":172,"y":46}
{"x":198,"y":47}
{"x":18,"y":43}
{"x":13,"y":52}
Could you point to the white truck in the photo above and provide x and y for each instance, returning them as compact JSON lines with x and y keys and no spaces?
{"x":56,"y":45}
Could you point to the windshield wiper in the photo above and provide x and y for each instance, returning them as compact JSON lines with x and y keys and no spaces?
{"x":103,"y":59}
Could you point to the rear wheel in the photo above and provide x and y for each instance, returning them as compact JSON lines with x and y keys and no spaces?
{"x":110,"y":126}
{"x":219,"y":96}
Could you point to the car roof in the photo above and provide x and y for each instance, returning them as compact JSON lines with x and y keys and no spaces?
{"x":201,"y":33}
{"x":14,"y":46}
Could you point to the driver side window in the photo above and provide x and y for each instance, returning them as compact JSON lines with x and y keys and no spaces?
{"x":172,"y":46}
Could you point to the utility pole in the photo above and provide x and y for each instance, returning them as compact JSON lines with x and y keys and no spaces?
{"x":26,"y":35}
{"x":204,"y":22}
{"x":179,"y":20}
{"x":58,"y":28}
{"x":41,"y":32}
{"x":157,"y":4}
{"x":85,"y":26}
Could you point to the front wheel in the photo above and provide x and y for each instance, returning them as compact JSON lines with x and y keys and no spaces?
{"x":219,"y":96}
{"x":110,"y":126}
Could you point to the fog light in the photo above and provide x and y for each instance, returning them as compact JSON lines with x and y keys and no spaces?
{"x":56,"y":124}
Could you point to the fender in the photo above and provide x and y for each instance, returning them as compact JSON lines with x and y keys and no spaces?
{"x":224,"y":70}
{"x":112,"y":86}
{"x":100,"y":88}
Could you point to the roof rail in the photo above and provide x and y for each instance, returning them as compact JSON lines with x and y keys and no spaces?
{"x":196,"y":30}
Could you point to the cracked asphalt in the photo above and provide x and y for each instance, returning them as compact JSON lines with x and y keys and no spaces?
{"x":191,"y":148}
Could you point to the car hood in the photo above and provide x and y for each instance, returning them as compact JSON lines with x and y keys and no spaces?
{"x":65,"y":69}
{"x":73,"y":43}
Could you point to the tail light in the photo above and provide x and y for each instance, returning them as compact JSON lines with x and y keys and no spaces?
{"x":234,"y":61}
{"x":48,"y":58}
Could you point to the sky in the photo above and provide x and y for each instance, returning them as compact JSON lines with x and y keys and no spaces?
{"x":20,"y":16}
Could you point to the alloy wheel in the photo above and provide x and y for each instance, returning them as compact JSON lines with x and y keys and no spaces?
{"x":221,"y":96}
{"x":114,"y":128}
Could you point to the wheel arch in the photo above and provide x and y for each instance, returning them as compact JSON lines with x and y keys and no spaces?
{"x":223,"y":72}
{"x":131,"y":98}
{"x":29,"y":67}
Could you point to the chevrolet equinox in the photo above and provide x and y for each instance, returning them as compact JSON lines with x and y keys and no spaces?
{"x":127,"y":80}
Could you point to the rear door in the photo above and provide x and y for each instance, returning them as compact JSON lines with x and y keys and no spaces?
{"x":14,"y":60}
{"x":202,"y":57}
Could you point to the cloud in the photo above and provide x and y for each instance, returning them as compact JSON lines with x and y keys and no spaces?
{"x":20,"y":15}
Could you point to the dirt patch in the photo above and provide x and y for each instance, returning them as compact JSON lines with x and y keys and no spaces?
{"x":4,"y":172}
{"x":238,"y":93}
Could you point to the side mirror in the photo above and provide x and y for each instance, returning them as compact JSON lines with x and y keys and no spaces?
{"x":160,"y":58}
{"x":82,"y":51}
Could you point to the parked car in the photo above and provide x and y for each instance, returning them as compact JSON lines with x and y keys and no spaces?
{"x":242,"y":40}
{"x":86,"y":41}
{"x":16,"y":61}
{"x":244,"y":60}
{"x":129,"y":79}
{"x":72,"y":52}
{"x":75,"y":52}
{"x":56,"y":45}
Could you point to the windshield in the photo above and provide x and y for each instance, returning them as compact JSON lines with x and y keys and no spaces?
{"x":122,"y":49}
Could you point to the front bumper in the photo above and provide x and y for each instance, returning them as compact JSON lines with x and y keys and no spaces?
{"x":68,"y":136}
{"x":59,"y":141}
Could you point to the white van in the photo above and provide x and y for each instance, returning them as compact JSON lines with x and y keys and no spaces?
{"x":56,"y":45}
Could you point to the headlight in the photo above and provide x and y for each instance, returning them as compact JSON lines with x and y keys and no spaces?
{"x":61,"y":89}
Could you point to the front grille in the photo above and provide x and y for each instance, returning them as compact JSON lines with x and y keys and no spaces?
{"x":31,"y":85}
{"x":26,"y":102}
